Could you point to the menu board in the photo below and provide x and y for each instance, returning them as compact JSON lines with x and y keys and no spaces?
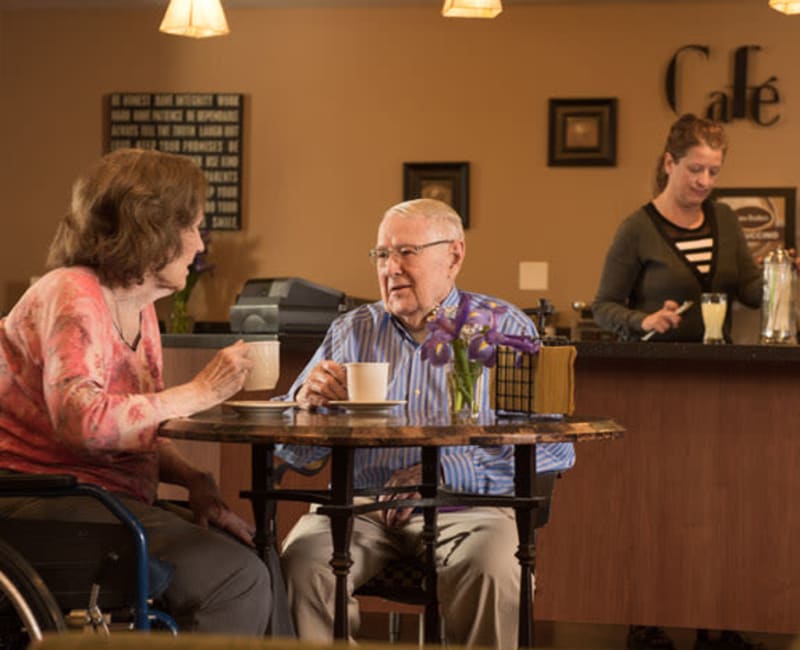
{"x":206,"y":127}
{"x":766,"y":215}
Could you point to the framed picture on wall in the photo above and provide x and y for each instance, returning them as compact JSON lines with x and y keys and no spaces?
{"x":582,"y":132}
{"x":766,"y":214}
{"x":445,"y":181}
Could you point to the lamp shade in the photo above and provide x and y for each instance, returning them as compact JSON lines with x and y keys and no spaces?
{"x":786,"y":6}
{"x":471,"y":8}
{"x":195,"y":18}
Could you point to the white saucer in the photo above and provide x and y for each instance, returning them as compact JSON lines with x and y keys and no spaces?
{"x":367,"y":407}
{"x":259,"y":407}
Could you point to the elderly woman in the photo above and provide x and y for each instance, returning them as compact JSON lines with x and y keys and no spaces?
{"x":81,"y":389}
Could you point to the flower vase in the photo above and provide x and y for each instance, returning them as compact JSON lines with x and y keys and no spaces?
{"x":464,"y":390}
{"x":180,"y":321}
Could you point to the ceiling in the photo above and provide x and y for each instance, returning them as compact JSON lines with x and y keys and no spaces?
{"x":115,"y":4}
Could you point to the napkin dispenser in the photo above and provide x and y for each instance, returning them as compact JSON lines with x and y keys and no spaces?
{"x":541,"y":383}
{"x":278,"y":305}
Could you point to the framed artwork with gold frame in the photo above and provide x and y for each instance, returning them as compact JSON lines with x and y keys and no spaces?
{"x":582,"y":132}
{"x":445,"y":181}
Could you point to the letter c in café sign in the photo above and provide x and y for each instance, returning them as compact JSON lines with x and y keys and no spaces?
{"x":744,"y":101}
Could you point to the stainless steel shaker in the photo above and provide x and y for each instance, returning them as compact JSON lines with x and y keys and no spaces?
{"x":778,"y":308}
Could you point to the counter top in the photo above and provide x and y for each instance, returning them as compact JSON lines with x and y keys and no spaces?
{"x":688,"y":351}
{"x":629,"y":350}
{"x":293,"y":342}
{"x":215,"y":341}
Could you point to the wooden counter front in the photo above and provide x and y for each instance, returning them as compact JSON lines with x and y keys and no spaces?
{"x":689,"y":521}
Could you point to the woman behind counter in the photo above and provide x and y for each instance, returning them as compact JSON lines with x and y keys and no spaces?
{"x":672,"y":249}
{"x":81,"y":390}
{"x":677,"y":246}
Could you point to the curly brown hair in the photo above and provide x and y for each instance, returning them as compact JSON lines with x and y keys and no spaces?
{"x":127,"y":213}
{"x":686,"y":132}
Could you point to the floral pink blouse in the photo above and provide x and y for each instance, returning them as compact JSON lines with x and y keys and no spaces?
{"x":74,"y":397}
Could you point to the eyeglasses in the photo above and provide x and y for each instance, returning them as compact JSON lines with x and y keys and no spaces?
{"x":404,"y":252}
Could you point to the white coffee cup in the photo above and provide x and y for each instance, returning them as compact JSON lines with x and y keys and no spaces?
{"x":367,"y":381}
{"x":265,"y":356}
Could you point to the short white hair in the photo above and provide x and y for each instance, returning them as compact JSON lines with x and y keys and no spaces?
{"x":436,"y":212}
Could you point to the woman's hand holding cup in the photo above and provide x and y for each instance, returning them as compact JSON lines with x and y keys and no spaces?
{"x":225,"y":374}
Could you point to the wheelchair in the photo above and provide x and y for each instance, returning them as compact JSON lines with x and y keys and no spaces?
{"x":103,"y":575}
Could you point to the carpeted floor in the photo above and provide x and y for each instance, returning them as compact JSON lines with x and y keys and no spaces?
{"x":572,"y":636}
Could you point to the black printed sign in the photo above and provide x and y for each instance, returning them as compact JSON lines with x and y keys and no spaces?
{"x":207,"y":127}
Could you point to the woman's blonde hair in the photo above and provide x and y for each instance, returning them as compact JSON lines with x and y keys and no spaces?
{"x":127,"y":213}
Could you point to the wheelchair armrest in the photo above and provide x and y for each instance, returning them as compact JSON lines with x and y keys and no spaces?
{"x":61,"y":485}
{"x":23,"y":482}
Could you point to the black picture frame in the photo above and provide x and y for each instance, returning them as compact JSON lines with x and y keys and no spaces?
{"x":446,"y":181}
{"x":766,"y":214}
{"x":582,"y":132}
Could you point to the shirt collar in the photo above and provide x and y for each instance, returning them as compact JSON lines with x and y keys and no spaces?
{"x":451,"y":299}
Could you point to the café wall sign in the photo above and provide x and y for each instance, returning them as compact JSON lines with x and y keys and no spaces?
{"x":744,"y":101}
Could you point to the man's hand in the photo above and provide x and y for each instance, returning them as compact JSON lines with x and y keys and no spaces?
{"x":326,"y":381}
{"x":208,"y":507}
{"x":397,"y":517}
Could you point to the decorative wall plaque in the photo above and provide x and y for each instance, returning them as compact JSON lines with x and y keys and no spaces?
{"x":207,"y":127}
{"x":582,"y":132}
{"x":766,"y":214}
{"x":445,"y":181}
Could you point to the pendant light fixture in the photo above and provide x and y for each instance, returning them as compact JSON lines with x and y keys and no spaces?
{"x":471,"y":8}
{"x":195,"y":18}
{"x":786,"y":6}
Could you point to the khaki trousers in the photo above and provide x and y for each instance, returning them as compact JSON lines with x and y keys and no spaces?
{"x":478,"y":573}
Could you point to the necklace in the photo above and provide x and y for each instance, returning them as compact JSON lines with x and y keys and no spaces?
{"x":117,"y":322}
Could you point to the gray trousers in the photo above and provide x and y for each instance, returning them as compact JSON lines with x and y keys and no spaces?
{"x":219,"y":585}
{"x":478,"y":573}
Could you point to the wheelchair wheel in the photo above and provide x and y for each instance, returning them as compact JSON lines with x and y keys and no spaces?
{"x":27,"y":609}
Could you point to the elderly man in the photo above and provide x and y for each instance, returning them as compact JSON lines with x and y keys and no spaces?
{"x":419,"y":253}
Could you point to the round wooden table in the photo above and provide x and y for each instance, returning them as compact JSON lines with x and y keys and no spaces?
{"x":344,"y":433}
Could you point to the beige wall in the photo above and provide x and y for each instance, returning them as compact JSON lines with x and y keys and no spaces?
{"x":339,"y":98}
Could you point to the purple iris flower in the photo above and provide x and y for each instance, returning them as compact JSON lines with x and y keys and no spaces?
{"x":436,"y":348}
{"x":201,"y":263}
{"x":442,"y":324}
{"x":519,"y":343}
{"x":483,"y":346}
{"x":482,"y":351}
{"x":476,"y":328}
{"x":462,"y":314}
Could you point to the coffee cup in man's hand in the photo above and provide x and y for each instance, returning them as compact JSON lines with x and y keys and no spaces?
{"x":367,"y":381}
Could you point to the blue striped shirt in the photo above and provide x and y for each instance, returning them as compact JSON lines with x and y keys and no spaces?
{"x":370,"y":333}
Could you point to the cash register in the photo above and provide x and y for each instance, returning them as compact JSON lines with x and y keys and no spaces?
{"x":287,"y":305}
